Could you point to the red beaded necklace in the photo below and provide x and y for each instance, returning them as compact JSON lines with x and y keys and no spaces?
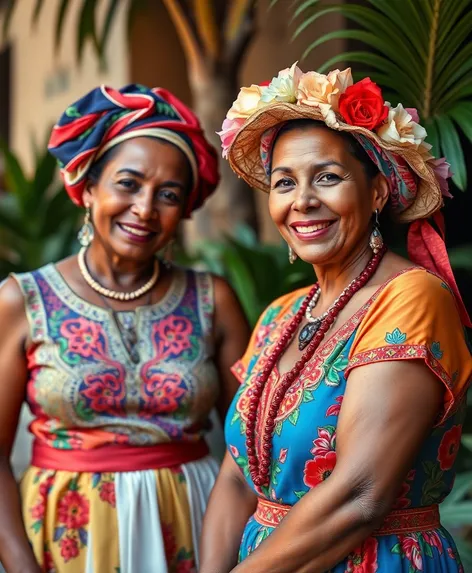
{"x":260,"y":470}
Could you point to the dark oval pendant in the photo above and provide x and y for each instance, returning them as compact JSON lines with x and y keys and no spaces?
{"x":307,"y":333}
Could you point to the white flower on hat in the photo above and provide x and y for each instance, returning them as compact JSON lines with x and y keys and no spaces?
{"x":400,"y":127}
{"x":284,"y":87}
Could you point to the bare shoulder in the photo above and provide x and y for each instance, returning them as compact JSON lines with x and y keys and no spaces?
{"x":391,"y":266}
{"x":12,"y":309}
{"x":224,"y":293}
{"x":11,"y":298}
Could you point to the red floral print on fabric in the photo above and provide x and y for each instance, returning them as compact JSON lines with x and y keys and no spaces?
{"x":402,"y":501}
{"x":38,"y":510}
{"x":335,"y":408}
{"x":412,"y":551}
{"x":49,"y":566}
{"x":364,"y":559}
{"x":318,"y":470}
{"x":84,"y":337}
{"x":185,"y":566}
{"x":172,"y":335}
{"x":162,"y":392}
{"x":433,"y":539}
{"x":69,"y":548}
{"x":170,"y":545}
{"x":325,"y":443}
{"x":73,"y":510}
{"x":107,"y":493}
{"x":105,"y":392}
{"x":449,"y":447}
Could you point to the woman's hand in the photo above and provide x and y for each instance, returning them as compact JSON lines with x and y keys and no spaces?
{"x":388,"y":410}
{"x":16,"y":554}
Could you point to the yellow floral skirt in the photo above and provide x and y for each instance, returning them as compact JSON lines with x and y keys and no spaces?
{"x":126,"y":522}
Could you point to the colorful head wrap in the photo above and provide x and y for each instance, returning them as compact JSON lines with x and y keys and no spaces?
{"x":106,"y":117}
{"x":392,"y":137}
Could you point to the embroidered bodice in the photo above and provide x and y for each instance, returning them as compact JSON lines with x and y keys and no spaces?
{"x":85,"y":391}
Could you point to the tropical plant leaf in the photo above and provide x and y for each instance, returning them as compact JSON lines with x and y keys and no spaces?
{"x":38,"y":7}
{"x":60,"y":19}
{"x":87,"y":28}
{"x":451,"y":146}
{"x":418,"y":52}
{"x":102,"y":39}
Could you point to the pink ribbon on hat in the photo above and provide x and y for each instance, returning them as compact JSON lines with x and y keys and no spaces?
{"x":426,"y":247}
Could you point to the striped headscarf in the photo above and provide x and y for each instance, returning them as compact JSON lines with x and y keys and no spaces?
{"x":106,"y":117}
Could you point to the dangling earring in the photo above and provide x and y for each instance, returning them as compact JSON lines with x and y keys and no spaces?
{"x":292,"y":255}
{"x":169,"y":253}
{"x":85,"y":234}
{"x":376,"y":240}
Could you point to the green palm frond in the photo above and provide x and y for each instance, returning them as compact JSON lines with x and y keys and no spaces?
{"x":38,"y":222}
{"x":417,"y":50}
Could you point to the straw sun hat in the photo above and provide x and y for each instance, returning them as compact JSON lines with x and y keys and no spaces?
{"x":391,"y":136}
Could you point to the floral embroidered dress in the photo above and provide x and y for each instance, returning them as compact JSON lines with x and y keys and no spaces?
{"x":96,"y":409}
{"x":411,"y":317}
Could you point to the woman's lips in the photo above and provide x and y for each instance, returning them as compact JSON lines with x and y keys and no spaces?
{"x":311,"y":230}
{"x":137,"y":234}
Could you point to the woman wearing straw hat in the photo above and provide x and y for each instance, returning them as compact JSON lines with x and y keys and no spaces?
{"x":121,"y":357}
{"x":343,"y":435}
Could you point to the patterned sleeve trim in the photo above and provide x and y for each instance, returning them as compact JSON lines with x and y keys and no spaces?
{"x":34,"y":306}
{"x":412,"y":352}
{"x":239,"y":371}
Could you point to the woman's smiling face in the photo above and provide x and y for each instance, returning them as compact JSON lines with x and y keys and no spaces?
{"x":321,"y":198}
{"x":139,"y":197}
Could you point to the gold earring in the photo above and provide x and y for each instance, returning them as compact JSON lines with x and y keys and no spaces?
{"x":376,"y":241}
{"x":85,"y":234}
{"x":292,"y":255}
{"x":169,"y":252}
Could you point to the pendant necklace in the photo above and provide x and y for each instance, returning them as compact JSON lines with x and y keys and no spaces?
{"x":311,"y":328}
{"x":127,"y":330}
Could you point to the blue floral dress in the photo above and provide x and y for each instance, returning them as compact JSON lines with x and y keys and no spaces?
{"x":411,"y":317}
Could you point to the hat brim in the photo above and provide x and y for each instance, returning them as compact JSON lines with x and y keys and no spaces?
{"x":245,"y":160}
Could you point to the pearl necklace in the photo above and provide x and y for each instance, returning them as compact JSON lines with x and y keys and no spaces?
{"x":116,"y":295}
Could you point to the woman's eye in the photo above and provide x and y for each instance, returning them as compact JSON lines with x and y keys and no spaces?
{"x":284,"y":182}
{"x":170,"y":196}
{"x":128,"y":184}
{"x":328,"y":178}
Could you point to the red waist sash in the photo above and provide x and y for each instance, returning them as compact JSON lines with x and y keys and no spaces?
{"x":401,"y":521}
{"x":118,"y":458}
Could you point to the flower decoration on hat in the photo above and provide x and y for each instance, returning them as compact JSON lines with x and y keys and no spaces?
{"x":392,"y":137}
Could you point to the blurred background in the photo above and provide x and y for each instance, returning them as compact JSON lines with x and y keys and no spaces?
{"x":54,"y":51}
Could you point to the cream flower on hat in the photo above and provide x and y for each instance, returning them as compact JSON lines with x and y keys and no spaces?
{"x":400,"y":128}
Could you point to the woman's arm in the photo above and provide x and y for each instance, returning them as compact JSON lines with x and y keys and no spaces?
{"x":15,"y":552}
{"x":231,"y":332}
{"x":388,"y":410}
{"x":231,"y":504}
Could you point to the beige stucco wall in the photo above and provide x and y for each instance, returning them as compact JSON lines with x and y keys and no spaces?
{"x":43,"y":82}
{"x":157,"y":58}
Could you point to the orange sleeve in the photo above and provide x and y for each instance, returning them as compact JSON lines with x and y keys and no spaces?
{"x":263,"y":331}
{"x":415,"y":317}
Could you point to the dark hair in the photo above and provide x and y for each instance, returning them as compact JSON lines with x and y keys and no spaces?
{"x":354,"y":147}
{"x":96,"y":169}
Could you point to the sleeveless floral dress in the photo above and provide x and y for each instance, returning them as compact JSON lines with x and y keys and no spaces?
{"x":87,"y":395}
{"x":412,"y":317}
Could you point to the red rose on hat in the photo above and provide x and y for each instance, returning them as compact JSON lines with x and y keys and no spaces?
{"x":362,"y":105}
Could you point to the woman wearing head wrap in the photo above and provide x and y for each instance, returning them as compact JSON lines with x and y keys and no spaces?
{"x":343,"y":435}
{"x":121,"y":356}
